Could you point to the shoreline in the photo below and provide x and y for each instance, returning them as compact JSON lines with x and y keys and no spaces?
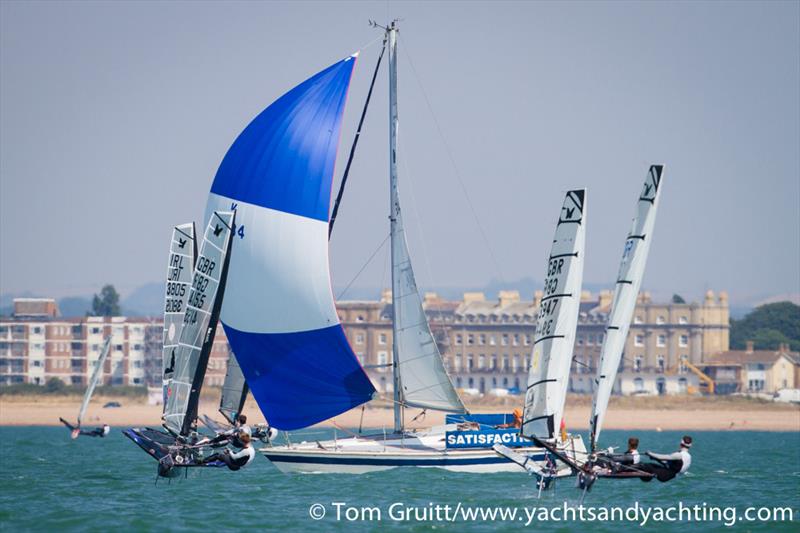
{"x":671,"y":415}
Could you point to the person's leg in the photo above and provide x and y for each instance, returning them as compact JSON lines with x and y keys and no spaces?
{"x":662,"y":473}
{"x":70,"y":426}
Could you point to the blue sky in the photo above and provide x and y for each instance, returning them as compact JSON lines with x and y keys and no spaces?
{"x":115,"y":115}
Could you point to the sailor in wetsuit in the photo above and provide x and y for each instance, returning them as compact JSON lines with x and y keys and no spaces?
{"x":235,"y":460}
{"x":630,"y":457}
{"x":669,"y":465}
{"x":102,"y":431}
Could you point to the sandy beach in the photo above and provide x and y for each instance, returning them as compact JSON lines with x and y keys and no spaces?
{"x":624,"y":413}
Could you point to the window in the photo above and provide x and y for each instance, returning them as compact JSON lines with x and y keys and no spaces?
{"x":504,"y":340}
{"x":505,"y":362}
{"x":360,"y":338}
{"x":482,"y":339}
{"x":118,"y":347}
{"x":637,"y":363}
{"x":470,"y":339}
{"x":684,"y":340}
{"x":590,"y":339}
{"x":383,"y":359}
{"x":660,"y":364}
{"x":95,"y":331}
{"x":492,"y":340}
{"x":37,"y":330}
{"x":637,"y":319}
{"x":76,"y":380}
{"x":458,"y":340}
{"x":683,"y":320}
{"x":360,"y":318}
{"x":515,"y":363}
{"x":661,"y":340}
{"x":481,"y":361}
{"x":457,"y":361}
{"x":682,"y":369}
{"x":469,"y":363}
{"x":638,"y":385}
{"x":137,"y":364}
{"x":493,"y":363}
{"x":527,"y":340}
{"x":136,"y":381}
{"x":660,"y":319}
{"x":36,"y":363}
{"x":638,"y":340}
{"x":382,"y":338}
{"x":516,"y":339}
{"x":579,"y":340}
{"x":137,"y":347}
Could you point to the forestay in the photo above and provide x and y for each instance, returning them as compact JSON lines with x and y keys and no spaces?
{"x":279,"y":314}
{"x":629,"y":281}
{"x":182,"y":255}
{"x":199,"y":324}
{"x":556,"y":322}
{"x":98,"y":371}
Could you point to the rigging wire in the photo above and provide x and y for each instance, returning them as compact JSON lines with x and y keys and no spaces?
{"x":366,"y":264}
{"x":455,"y":166}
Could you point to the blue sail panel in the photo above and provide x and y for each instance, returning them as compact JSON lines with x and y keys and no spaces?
{"x":299,"y":379}
{"x":284,"y":158}
{"x":278,"y":312}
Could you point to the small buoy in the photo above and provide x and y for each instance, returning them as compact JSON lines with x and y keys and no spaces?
{"x":658,"y":429}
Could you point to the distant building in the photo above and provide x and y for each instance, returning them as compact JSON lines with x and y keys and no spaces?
{"x":754,"y":371}
{"x":486,"y":344}
{"x":36,"y":344}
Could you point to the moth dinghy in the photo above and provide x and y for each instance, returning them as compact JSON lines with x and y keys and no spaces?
{"x":101,"y":431}
{"x":176,"y":447}
{"x":603,"y":463}
{"x":279,"y":314}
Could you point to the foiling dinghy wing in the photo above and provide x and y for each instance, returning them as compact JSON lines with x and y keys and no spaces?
{"x":176,"y":447}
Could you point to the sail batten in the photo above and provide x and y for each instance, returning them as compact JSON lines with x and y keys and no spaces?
{"x":556,"y":323}
{"x":629,"y":281}
{"x":279,"y":314}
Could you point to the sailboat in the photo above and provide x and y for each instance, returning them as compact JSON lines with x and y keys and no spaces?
{"x":174,"y":447}
{"x":596,"y":464}
{"x":556,"y":324}
{"x":76,"y":430}
{"x":279,"y":314}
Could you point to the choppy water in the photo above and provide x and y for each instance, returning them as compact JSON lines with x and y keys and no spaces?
{"x":48,"y":481}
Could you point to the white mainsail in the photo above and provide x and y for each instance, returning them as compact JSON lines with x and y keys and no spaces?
{"x":199,"y":324}
{"x":420,"y":374}
{"x":556,"y":323}
{"x":182,"y":256}
{"x":629,"y":281}
{"x":98,"y":371}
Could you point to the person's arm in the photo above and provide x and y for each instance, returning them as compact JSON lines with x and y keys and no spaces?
{"x":241,"y":453}
{"x":664,"y":457}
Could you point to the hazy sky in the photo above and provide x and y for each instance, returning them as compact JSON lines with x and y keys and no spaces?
{"x":114,"y":117}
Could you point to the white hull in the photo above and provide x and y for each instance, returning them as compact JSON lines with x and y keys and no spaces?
{"x":374,"y":453}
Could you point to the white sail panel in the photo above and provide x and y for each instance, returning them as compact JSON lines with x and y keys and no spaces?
{"x":98,"y":371}
{"x":424,"y":382}
{"x":199,"y":324}
{"x":234,"y":391}
{"x":629,"y":281}
{"x":182,"y":255}
{"x":557,"y":321}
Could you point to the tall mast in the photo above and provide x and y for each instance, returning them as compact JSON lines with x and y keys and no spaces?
{"x":394,"y":211}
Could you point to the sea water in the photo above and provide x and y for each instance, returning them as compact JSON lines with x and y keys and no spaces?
{"x":49,"y":482}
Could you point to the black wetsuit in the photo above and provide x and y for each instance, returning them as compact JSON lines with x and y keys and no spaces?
{"x":234,"y":461}
{"x":670,"y":466}
{"x":96,"y":432}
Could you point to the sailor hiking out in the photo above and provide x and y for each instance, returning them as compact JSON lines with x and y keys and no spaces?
{"x":235,"y":460}
{"x":669,"y":465}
